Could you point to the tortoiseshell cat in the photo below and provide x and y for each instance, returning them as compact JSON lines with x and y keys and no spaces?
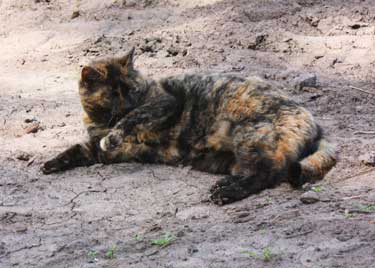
{"x":245,"y":128}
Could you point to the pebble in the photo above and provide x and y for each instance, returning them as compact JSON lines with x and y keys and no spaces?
{"x":75,"y":14}
{"x":309,"y":197}
{"x":33,"y":128}
{"x":172,"y":51}
{"x":23,"y":156}
{"x":30,"y":120}
{"x":258,"y":39}
{"x":367,"y":159}
{"x":306,"y":80}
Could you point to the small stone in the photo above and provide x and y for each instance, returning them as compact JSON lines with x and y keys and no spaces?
{"x":24,"y":156}
{"x":334,"y":62}
{"x":367,"y":159}
{"x":243,"y":214}
{"x":100,"y":39}
{"x":259,"y":39}
{"x":309,"y":197}
{"x":356,"y":26}
{"x":180,"y":233}
{"x":75,"y":14}
{"x":33,"y":128}
{"x":151,"y":44}
{"x":147,"y":48}
{"x":21,"y":229}
{"x":172,"y":51}
{"x":306,"y":80}
{"x":314,"y":21}
{"x":30,"y":120}
{"x":153,"y":40}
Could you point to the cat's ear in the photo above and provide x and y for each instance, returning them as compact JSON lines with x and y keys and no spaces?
{"x":89,"y":74}
{"x":128,"y":59}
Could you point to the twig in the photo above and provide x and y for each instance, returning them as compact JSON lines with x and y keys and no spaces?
{"x":358,"y":174}
{"x":38,"y":244}
{"x":358,"y":211}
{"x":101,"y":176}
{"x":364,"y":132}
{"x":8,"y":216}
{"x":31,"y":161}
{"x":353,"y":197}
{"x":154,"y":176}
{"x":152,"y":253}
{"x":362,"y":90}
{"x":299,"y":234}
{"x":83,"y":192}
{"x":64,"y":220}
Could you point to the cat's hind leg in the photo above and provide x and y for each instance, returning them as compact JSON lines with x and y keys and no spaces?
{"x":259,"y":164}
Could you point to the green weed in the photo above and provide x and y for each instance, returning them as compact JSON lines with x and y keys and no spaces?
{"x":139,"y":237}
{"x":111,"y":252}
{"x":365,"y":208}
{"x":348,"y":215}
{"x":250,"y":253}
{"x":163,"y":241}
{"x":266,"y":254}
{"x":92,"y":254}
{"x":316,"y":189}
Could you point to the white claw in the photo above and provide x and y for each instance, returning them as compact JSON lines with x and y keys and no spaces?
{"x":103,"y":144}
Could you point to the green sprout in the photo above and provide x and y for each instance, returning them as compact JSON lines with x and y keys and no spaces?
{"x":163,"y":241}
{"x":111,"y":252}
{"x":92,"y":254}
{"x":348,"y":215}
{"x":139,"y":237}
{"x":250,"y":253}
{"x":267,"y":255}
{"x":316,"y":189}
{"x":365,"y":208}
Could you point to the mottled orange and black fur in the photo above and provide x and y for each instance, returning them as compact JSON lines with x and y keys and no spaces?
{"x":243,"y":127}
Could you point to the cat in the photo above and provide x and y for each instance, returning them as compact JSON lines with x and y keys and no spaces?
{"x":246,"y":128}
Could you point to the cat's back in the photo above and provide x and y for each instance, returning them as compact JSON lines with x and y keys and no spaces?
{"x":207,"y":96}
{"x":200,"y":85}
{"x":218,"y":85}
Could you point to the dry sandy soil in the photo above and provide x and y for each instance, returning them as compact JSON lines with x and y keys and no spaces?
{"x":108,"y":216}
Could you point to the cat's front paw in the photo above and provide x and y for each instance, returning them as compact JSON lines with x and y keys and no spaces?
{"x":51,"y":166}
{"x":112,"y":141}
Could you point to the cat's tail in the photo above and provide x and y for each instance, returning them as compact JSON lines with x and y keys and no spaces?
{"x":315,"y":166}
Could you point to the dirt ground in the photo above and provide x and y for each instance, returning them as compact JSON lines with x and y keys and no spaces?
{"x":108,"y":216}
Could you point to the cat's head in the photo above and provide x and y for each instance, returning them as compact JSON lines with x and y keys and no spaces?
{"x":110,"y":88}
